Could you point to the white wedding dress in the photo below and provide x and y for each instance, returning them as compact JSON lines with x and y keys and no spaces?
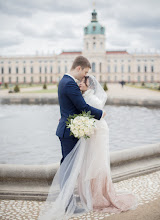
{"x":85,"y":173}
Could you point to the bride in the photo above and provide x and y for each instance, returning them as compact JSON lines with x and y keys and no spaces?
{"x":83,"y":181}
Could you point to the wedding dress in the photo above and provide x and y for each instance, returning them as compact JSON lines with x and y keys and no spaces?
{"x":83,"y":181}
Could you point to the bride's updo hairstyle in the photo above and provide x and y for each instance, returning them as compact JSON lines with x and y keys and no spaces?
{"x":91,"y":84}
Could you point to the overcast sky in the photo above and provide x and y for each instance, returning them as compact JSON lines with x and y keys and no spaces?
{"x":48,"y":26}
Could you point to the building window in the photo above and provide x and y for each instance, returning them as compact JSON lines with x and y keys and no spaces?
{"x":9,"y":70}
{"x":45,"y":79}
{"x":101,"y":45}
{"x":139,"y":78}
{"x":24,"y":79}
{"x":45,"y":69}
{"x":138,"y":69}
{"x":17,"y":79}
{"x":40,"y":79}
{"x":93,"y":67}
{"x":59,"y":69}
{"x":115,"y":69}
{"x":16,"y":69}
{"x":109,"y":69}
{"x":65,"y":69}
{"x":31,"y":79}
{"x":40,"y":69}
{"x":24,"y":69}
{"x":122,"y":68}
{"x":2,"y":70}
{"x":51,"y":69}
{"x":31,"y":69}
{"x":94,"y":45}
{"x":100,"y":67}
{"x":102,"y":29}
{"x":152,"y":78}
{"x":87,"y":45}
{"x":129,"y":78}
{"x":145,"y":69}
{"x":94,"y":28}
{"x":10,"y":81}
{"x":2,"y":79}
{"x":51,"y":79}
{"x":145,"y":78}
{"x":152,"y":69}
{"x":115,"y":78}
{"x":129,"y":69}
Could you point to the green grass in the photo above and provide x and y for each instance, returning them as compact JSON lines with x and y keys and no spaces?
{"x":43,"y":91}
{"x":151,"y":86}
{"x":26,"y":85}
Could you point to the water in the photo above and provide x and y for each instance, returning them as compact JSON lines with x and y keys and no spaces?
{"x":27,"y":132}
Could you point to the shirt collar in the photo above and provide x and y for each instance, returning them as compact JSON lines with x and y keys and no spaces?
{"x":71,"y":76}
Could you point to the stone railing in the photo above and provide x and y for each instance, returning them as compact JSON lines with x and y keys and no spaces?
{"x":32,"y":182}
{"x":112,"y":100}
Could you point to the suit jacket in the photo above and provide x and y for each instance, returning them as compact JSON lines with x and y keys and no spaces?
{"x":71,"y":102}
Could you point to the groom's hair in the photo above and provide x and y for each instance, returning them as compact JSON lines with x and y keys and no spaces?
{"x":81,"y":61}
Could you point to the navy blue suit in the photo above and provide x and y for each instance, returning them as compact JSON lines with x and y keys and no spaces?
{"x":71,"y":102}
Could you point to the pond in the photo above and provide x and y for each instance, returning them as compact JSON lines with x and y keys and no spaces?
{"x":27,"y":132}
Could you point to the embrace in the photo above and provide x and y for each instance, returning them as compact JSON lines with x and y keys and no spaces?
{"x":83,"y":180}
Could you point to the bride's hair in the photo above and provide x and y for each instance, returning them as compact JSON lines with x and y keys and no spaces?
{"x":91,"y":83}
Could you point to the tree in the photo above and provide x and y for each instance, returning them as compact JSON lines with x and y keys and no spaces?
{"x":105,"y":86}
{"x":16,"y":88}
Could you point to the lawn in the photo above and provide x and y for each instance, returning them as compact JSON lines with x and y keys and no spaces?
{"x":151,"y":86}
{"x":43,"y":91}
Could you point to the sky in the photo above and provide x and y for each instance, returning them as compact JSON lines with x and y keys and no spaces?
{"x":29,"y":27}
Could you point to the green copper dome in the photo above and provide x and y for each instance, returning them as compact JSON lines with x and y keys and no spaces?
{"x":94,"y":27}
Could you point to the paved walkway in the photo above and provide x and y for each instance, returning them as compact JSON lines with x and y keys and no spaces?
{"x":145,"y":187}
{"x":114,"y":90}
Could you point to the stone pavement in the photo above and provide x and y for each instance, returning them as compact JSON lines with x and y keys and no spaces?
{"x":145,"y":187}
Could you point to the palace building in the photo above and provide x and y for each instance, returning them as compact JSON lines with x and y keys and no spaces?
{"x":107,"y":66}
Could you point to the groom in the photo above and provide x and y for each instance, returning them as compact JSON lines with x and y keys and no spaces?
{"x":72,"y":102}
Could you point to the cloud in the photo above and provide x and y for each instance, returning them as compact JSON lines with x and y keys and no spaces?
{"x":57,"y":25}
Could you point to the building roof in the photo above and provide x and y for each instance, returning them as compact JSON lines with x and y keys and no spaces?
{"x":94,"y":26}
{"x":70,"y":52}
{"x":117,"y":52}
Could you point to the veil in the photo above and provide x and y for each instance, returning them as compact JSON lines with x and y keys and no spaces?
{"x":99,"y":92}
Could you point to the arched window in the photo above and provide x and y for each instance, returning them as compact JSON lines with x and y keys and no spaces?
{"x":94,"y":45}
{"x":93,"y":67}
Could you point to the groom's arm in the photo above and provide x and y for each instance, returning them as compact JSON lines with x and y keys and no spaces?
{"x":74,"y":93}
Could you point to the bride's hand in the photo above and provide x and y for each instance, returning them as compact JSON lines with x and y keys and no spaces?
{"x":104,"y":114}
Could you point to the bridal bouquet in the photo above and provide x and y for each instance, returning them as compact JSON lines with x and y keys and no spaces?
{"x":81,"y":125}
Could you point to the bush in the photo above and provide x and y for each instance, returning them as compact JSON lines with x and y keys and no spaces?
{"x":6,"y":85}
{"x":44,"y":86}
{"x":142,"y":84}
{"x":159,"y":87}
{"x":16,"y":88}
{"x":105,"y":86}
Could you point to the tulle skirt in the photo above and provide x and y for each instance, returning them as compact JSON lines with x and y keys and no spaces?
{"x":83,"y":181}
